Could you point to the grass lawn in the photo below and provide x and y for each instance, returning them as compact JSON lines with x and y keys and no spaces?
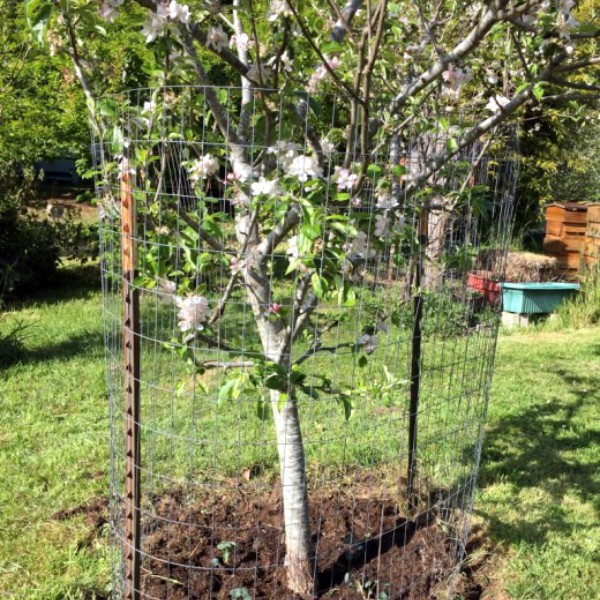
{"x":540,"y":479}
{"x":540,"y":482}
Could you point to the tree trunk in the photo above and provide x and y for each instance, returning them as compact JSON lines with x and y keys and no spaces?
{"x":292,"y":465}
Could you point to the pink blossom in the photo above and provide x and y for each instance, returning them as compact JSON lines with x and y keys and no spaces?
{"x":217,"y":38}
{"x":274,"y":308}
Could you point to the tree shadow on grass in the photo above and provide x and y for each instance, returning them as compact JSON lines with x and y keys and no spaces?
{"x":551,"y":447}
{"x":78,"y":282}
{"x":89,"y":343}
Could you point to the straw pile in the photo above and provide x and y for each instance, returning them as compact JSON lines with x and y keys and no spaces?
{"x":527,"y":266}
{"x":520,"y":266}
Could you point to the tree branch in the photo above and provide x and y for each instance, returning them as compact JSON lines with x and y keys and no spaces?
{"x":495,"y":13}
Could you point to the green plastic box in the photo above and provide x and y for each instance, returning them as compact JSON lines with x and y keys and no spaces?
{"x":532,"y":298}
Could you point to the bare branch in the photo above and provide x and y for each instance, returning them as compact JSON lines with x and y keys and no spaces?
{"x":217,"y":364}
{"x":581,"y":64}
{"x":309,"y":38}
{"x":574,"y":85}
{"x":494,"y":13}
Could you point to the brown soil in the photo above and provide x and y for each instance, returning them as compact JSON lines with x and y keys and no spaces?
{"x":415,"y":560}
{"x":365,"y":548}
{"x":95,"y":513}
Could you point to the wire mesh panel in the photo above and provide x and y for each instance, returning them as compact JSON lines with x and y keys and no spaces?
{"x":315,"y":341}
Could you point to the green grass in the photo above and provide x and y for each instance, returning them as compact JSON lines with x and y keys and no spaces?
{"x":540,"y":478}
{"x":53,"y":448}
{"x":540,"y":481}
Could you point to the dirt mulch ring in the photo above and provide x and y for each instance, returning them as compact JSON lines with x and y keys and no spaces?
{"x":184,"y":543}
{"x":410,"y":560}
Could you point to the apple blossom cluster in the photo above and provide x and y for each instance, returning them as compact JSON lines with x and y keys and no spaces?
{"x":497,"y":103}
{"x":278,"y":9}
{"x":217,"y":39}
{"x":344,"y":178}
{"x":166,"y":13}
{"x":454,"y":80}
{"x":321,"y":72}
{"x":204,"y":167}
{"x":305,"y":167}
{"x":193,"y":312}
{"x":108,"y":9}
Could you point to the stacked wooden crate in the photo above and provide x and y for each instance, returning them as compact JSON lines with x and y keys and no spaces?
{"x":591,"y":246}
{"x":565,"y":235}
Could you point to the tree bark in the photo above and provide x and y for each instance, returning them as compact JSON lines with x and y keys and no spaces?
{"x":292,"y":464}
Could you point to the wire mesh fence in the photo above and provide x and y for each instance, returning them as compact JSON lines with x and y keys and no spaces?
{"x":298,"y":357}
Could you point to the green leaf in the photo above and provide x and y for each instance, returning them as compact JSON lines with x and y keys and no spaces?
{"x":363,"y":361}
{"x":241,"y":593}
{"x":317,"y":284}
{"x":262,"y":408}
{"x":107,"y":107}
{"x":38,"y":13}
{"x":452,"y":145}
{"x":281,"y":402}
{"x":226,"y":391}
{"x":346,"y":401}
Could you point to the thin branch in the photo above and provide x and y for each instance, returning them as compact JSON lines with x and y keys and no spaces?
{"x":574,"y":84}
{"x":205,"y":237}
{"x":198,"y":34}
{"x":217,"y":364}
{"x":492,"y":15}
{"x":319,"y":348}
{"x":220,"y":309}
{"x":484,"y":126}
{"x":309,"y":38}
{"x":574,"y":97}
{"x":580,"y":64}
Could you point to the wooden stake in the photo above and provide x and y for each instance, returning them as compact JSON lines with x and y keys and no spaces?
{"x":131,"y":355}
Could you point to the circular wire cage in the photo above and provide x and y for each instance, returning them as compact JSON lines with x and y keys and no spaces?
{"x":260,"y":270}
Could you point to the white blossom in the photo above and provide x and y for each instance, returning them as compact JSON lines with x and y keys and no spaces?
{"x":179,"y":12}
{"x":284,"y":60}
{"x":383,"y":199}
{"x":344,"y":178}
{"x":108,"y":11}
{"x":327,"y":146}
{"x":167,"y":288}
{"x":204,"y":167}
{"x":237,"y":265}
{"x":217,"y":39}
{"x":264,"y":186}
{"x":292,"y":247}
{"x":359,"y":246}
{"x":285,"y":151}
{"x":496,"y":103}
{"x":241,"y":171}
{"x":193,"y":311}
{"x":154,"y":26}
{"x":241,"y":42}
{"x":277,"y":9}
{"x":305,"y":167}
{"x":149,"y":107}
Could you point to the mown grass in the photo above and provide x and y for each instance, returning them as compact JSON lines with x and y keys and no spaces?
{"x":539,"y":482}
{"x":540,"y":478}
{"x":53,"y":446}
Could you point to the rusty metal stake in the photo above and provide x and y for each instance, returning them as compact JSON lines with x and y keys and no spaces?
{"x":415,"y":370}
{"x":131,"y":355}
